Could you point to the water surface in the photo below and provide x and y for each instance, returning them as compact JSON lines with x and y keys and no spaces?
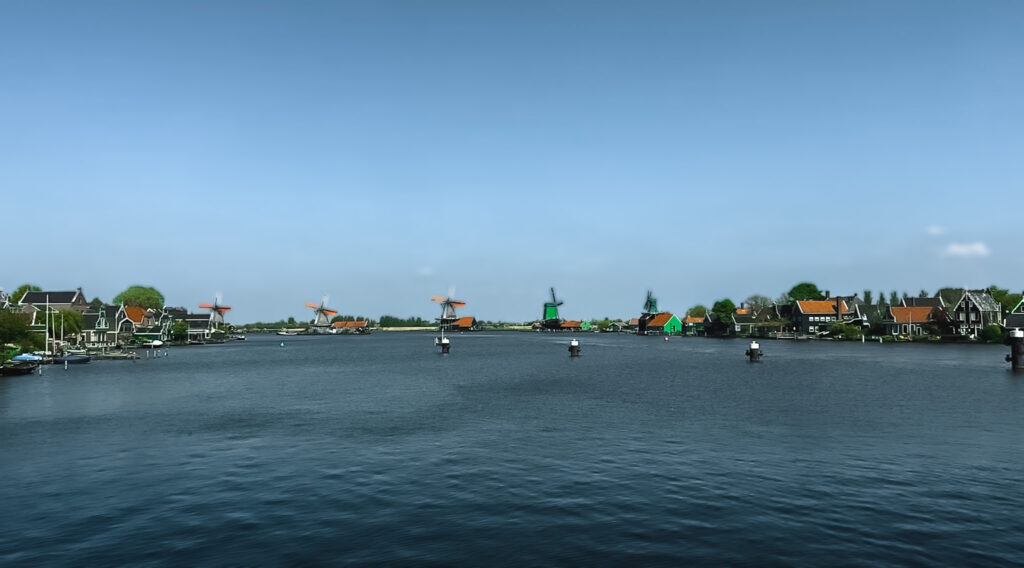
{"x":377,"y":450}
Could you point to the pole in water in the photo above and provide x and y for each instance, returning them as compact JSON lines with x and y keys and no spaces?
{"x":574,"y":348}
{"x":65,"y":365}
{"x":1016,"y":356}
{"x":754,"y":352}
{"x":444,"y":343}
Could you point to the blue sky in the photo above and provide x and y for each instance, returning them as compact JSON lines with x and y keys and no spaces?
{"x":380,"y":152}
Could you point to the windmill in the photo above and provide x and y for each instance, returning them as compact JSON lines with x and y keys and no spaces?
{"x":551,"y":319}
{"x":323,"y":315}
{"x":650,"y":304}
{"x":448,"y":305}
{"x":217,"y":311}
{"x":650,"y":310}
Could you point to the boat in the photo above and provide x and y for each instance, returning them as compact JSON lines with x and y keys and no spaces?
{"x":18,"y":368}
{"x":289,"y":333}
{"x":72,"y":359}
{"x":28,"y":357}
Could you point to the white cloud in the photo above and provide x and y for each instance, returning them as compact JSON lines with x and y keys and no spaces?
{"x":967,"y":250}
{"x":935,"y":230}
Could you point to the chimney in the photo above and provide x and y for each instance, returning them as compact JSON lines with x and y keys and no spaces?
{"x":828,"y":294}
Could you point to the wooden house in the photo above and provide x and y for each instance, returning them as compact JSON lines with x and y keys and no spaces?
{"x":664,"y":323}
{"x":817,"y":316}
{"x":975,"y":310}
{"x":912,"y":320}
{"x":1015,"y":319}
{"x":57,"y":300}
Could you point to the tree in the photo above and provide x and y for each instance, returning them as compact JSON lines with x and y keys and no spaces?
{"x":179,"y":331}
{"x":141,"y":296}
{"x":894,"y":299}
{"x":22,"y":290}
{"x":867,"y":297}
{"x":96,"y":304}
{"x":758,"y":301}
{"x":723,"y":310}
{"x":805,"y":291}
{"x":1007,"y":300}
{"x":14,"y":329}
{"x":67,"y":320}
{"x":881,"y":298}
{"x":697,"y":311}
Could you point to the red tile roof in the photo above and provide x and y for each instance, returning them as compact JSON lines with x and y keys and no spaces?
{"x":343,"y":324}
{"x":572,"y":323}
{"x":918,"y":314}
{"x":742,"y":311}
{"x":660,"y":319}
{"x":634,"y":321}
{"x":466,"y":321}
{"x":821,"y":306}
{"x":693,"y":319}
{"x":134,"y":313}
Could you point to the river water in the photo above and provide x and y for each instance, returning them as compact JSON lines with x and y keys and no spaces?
{"x":377,"y":450}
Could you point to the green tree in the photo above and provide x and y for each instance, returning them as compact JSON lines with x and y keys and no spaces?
{"x":867,"y":297}
{"x":22,"y":290}
{"x":96,"y":304}
{"x":141,"y":296}
{"x":14,"y":329}
{"x":723,"y":311}
{"x":1007,"y":300}
{"x":805,"y":291}
{"x":179,"y":330}
{"x":67,"y":320}
{"x":697,"y":311}
{"x":894,"y":299}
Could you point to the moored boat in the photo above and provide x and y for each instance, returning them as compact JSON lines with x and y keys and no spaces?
{"x":72,"y":359}
{"x":17,"y":368}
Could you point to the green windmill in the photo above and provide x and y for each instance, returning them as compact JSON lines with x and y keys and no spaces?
{"x":650,"y":310}
{"x":551,"y":319}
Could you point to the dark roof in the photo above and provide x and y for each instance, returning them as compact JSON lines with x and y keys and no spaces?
{"x":61,"y":297}
{"x":930,"y":302}
{"x":1015,"y":320}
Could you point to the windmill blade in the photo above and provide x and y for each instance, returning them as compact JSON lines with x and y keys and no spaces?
{"x":457,"y":303}
{"x":206,"y":305}
{"x":223,"y":308}
{"x":312,"y":306}
{"x":438,"y":299}
{"x":331,"y":313}
{"x":553,"y":299}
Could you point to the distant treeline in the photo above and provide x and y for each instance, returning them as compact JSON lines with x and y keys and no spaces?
{"x":392,"y":321}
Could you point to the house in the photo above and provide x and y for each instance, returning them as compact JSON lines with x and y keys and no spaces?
{"x":466,"y":323}
{"x":664,"y":323}
{"x":5,"y":300}
{"x":357,"y":326}
{"x":573,"y":325}
{"x":912,"y":320}
{"x":57,"y":300}
{"x":975,"y":310}
{"x":817,"y":316}
{"x":693,"y":325}
{"x":99,"y":327}
{"x":1015,"y":319}
{"x":744,"y":321}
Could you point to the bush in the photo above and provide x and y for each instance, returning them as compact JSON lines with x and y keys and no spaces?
{"x":992,"y":334}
